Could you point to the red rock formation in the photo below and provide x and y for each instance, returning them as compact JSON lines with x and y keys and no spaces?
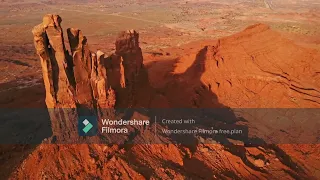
{"x":82,"y":68}
{"x":130,"y":54}
{"x":233,"y":71}
{"x":49,"y":44}
{"x":255,"y":68}
{"x":84,"y":80}
{"x":103,"y":94}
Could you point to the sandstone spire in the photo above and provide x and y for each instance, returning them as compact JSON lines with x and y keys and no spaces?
{"x":84,"y":80}
{"x":48,"y":38}
{"x":82,"y":69}
{"x":131,"y":61}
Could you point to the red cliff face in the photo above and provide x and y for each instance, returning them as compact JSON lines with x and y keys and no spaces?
{"x":256,"y":68}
